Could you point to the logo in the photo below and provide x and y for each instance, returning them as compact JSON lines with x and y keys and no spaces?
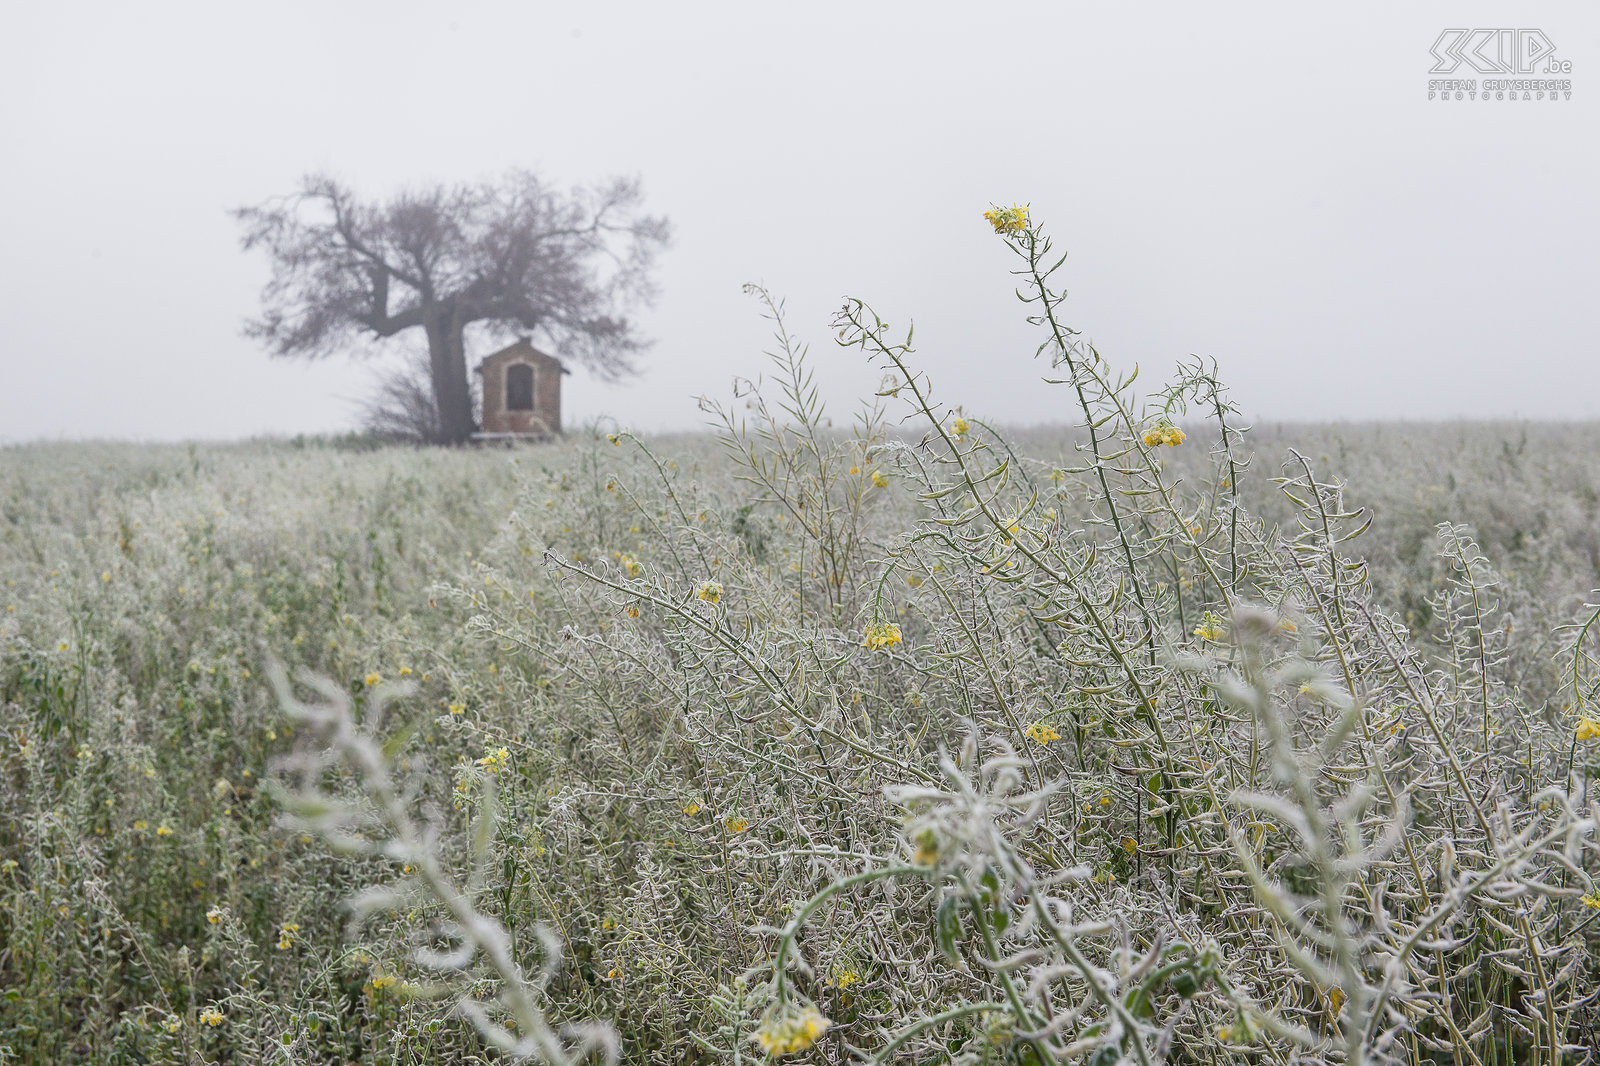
{"x":1522,"y":63}
{"x":1497,"y":52}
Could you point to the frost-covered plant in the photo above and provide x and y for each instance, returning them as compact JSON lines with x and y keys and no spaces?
{"x":915,"y":741}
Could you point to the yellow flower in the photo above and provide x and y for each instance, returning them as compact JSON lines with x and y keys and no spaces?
{"x":496,"y":760}
{"x":1007,"y":221}
{"x":614,"y":439}
{"x":163,"y":830}
{"x":214,"y":915}
{"x":372,"y":679}
{"x":380,"y":980}
{"x":692,"y":809}
{"x":1210,"y":627}
{"x":287,"y":935}
{"x":1588,"y":728}
{"x":631,"y":611}
{"x":878,"y":479}
{"x":457,"y":708}
{"x":211,"y":1016}
{"x":140,"y":825}
{"x":1163,"y":432}
{"x":845,"y":979}
{"x":791,"y":1033}
{"x":736,"y":825}
{"x":173,"y":1023}
{"x":1590,"y":901}
{"x":881,"y":635}
{"x":1130,"y":845}
{"x":405,"y":671}
{"x":1042,"y":732}
{"x":709,"y":591}
{"x":960,"y":428}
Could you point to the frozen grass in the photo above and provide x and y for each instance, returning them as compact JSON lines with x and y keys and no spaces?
{"x":951,"y":745}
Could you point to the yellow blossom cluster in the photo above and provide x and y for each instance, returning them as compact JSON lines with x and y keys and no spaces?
{"x":1210,"y":627}
{"x":1588,"y":729}
{"x":960,"y":428}
{"x":881,"y":635}
{"x":496,"y":760}
{"x":1042,"y":732}
{"x":211,"y":1016}
{"x":1007,"y":220}
{"x":1163,"y":432}
{"x":792,"y":1033}
{"x":878,"y":480}
{"x":845,"y":979}
{"x":288,"y":933}
{"x":709,"y":591}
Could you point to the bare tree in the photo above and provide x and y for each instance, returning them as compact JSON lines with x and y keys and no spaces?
{"x":404,"y":408}
{"x":507,"y":256}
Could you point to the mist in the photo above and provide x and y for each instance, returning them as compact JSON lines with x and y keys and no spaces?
{"x":1268,"y":186}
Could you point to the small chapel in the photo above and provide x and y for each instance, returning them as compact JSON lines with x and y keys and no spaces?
{"x":521,"y":393}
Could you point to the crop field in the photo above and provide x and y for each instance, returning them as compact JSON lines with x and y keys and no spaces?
{"x":923,"y":741}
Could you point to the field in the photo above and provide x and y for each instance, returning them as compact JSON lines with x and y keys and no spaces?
{"x":941,"y":744}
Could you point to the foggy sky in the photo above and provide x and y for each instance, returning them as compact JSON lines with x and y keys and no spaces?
{"x":1269,"y":187}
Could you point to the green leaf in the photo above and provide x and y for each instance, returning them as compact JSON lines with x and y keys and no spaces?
{"x":1186,"y":983}
{"x":395,"y":744}
{"x":1109,"y":1055}
{"x":950,"y":927}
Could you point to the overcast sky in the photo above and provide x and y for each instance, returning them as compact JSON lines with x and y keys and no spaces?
{"x":1269,"y":186}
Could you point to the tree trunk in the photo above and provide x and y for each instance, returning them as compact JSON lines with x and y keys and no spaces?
{"x":447,"y":358}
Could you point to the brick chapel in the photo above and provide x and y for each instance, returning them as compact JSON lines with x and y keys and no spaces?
{"x":521,"y":392}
